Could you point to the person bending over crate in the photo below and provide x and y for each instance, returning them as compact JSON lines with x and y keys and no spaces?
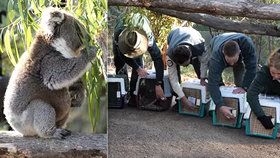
{"x":132,"y":38}
{"x":234,"y":50}
{"x":267,"y":81}
{"x":185,"y":46}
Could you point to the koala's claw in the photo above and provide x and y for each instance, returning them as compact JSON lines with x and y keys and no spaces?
{"x":61,"y":133}
{"x":66,"y":132}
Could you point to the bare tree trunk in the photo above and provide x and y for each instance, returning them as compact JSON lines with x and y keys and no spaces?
{"x":222,"y":24}
{"x":243,"y":8}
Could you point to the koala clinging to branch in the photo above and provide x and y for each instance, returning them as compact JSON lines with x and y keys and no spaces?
{"x":40,"y":92}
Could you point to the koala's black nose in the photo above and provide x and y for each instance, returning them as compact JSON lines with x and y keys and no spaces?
{"x":55,"y":14}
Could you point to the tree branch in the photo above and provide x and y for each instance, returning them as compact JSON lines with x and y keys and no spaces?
{"x":242,"y":8}
{"x":222,"y":24}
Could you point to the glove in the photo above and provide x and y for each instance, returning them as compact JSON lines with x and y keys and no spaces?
{"x":266,"y":121}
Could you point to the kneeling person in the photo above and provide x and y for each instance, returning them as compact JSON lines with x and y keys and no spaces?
{"x":185,"y":46}
{"x":267,"y":81}
{"x":130,"y":43}
{"x":234,"y":50}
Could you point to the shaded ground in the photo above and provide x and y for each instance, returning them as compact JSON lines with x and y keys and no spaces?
{"x":136,"y":133}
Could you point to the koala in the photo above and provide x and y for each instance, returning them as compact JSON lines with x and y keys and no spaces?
{"x":47,"y":80}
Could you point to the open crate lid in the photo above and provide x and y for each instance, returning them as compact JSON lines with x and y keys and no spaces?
{"x":152,"y":74}
{"x":226,"y":91}
{"x":119,"y":80}
{"x":195,"y":84}
{"x":268,"y":101}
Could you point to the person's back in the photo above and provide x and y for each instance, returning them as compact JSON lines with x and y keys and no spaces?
{"x":185,"y":35}
{"x":138,"y":21}
{"x":217,"y":43}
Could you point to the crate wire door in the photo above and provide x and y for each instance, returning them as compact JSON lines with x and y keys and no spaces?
{"x":114,"y":95}
{"x":255,"y":128}
{"x":234,"y":104}
{"x":147,"y":99}
{"x":147,"y":96}
{"x":199,"y":108}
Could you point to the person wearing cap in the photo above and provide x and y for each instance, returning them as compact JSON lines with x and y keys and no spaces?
{"x":234,"y":50}
{"x":185,"y":46}
{"x":132,"y":38}
{"x":266,"y":81}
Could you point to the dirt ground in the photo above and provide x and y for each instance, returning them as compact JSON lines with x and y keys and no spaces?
{"x":134,"y":133}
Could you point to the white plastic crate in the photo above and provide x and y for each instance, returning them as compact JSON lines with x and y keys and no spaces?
{"x":117,"y":93}
{"x":239,"y":108}
{"x":197,"y":94}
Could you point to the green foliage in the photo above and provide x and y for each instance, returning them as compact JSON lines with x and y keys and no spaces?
{"x":161,"y":24}
{"x":21,"y":24}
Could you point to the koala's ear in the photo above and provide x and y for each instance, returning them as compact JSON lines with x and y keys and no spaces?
{"x":51,"y":17}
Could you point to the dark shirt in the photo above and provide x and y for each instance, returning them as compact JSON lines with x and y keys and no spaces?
{"x":217,"y":62}
{"x":262,"y":84}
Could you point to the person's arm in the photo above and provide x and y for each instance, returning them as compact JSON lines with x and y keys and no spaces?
{"x":131,"y":62}
{"x":173,"y":78}
{"x":196,"y":65}
{"x":157,"y":59}
{"x":204,"y":58}
{"x":257,"y":87}
{"x":250,"y":61}
{"x":214,"y":76}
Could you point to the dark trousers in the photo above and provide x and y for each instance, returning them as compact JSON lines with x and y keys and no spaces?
{"x":121,"y":66}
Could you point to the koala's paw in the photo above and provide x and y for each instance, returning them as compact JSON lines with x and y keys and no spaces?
{"x":77,"y":99}
{"x":90,"y":51}
{"x":61,"y":133}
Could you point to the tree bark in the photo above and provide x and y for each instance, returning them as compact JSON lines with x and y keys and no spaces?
{"x":78,"y":145}
{"x":242,"y":8}
{"x":222,"y":24}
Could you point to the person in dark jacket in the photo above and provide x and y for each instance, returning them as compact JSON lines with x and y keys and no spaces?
{"x":132,"y":38}
{"x":234,"y":50}
{"x":185,"y":46}
{"x":267,"y":81}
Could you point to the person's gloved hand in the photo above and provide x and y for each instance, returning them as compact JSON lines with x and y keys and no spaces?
{"x":266,"y":121}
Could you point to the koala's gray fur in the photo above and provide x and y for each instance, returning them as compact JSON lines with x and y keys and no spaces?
{"x":40,"y":93}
